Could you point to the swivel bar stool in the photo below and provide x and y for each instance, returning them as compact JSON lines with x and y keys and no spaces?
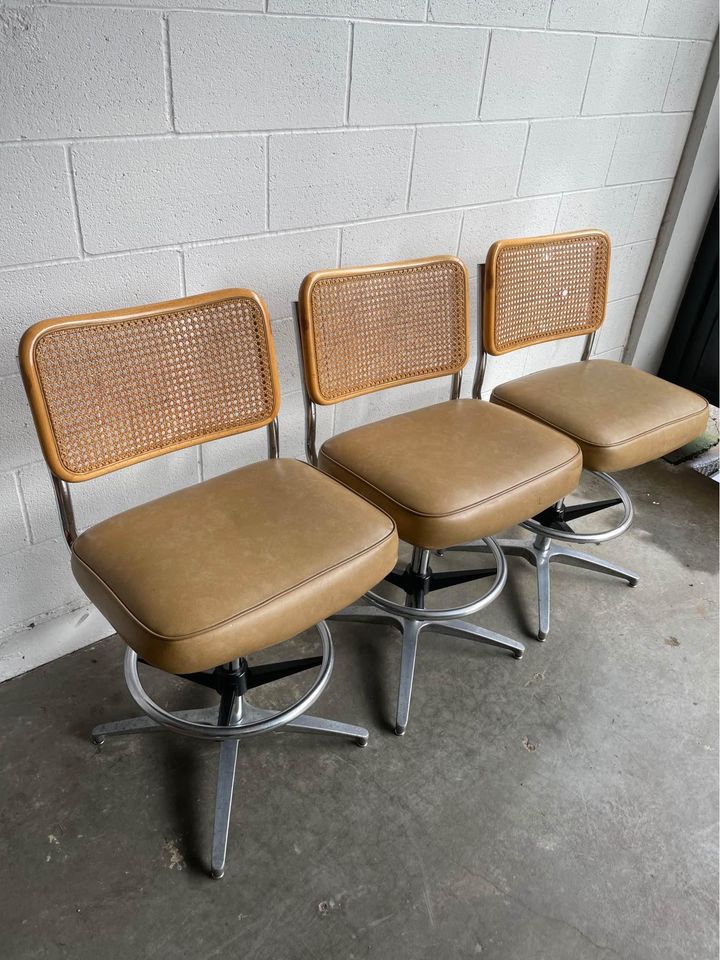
{"x":196,"y":581}
{"x":446,"y":473}
{"x":547,"y":288}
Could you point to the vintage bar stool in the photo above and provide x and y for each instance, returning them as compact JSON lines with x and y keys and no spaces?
{"x":547,"y":288}
{"x":197,"y":580}
{"x":447,"y":473}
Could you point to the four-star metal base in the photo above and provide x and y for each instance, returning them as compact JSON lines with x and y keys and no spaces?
{"x":234,"y":719}
{"x":417,"y":579}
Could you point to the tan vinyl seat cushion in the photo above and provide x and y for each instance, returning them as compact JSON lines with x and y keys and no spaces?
{"x":455,"y":471}
{"x":234,"y":564}
{"x":620,"y":416}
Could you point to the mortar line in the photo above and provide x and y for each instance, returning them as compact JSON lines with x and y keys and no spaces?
{"x":484,"y":76}
{"x":348,"y":74}
{"x":522,"y":162}
{"x":670,"y":74}
{"x":446,"y":24}
{"x":587,"y":78}
{"x":166,"y":135}
{"x":410,"y":171}
{"x":183,"y":279}
{"x":167,"y":74}
{"x":187,"y":245}
{"x":23,"y":507}
{"x":74,"y":200}
{"x":460,"y":233}
{"x":267,"y":183}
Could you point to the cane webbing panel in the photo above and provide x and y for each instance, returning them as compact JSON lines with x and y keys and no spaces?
{"x":544,"y":288}
{"x":109,"y":392}
{"x":368,"y":328}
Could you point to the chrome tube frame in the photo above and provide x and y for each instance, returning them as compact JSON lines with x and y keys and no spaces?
{"x":66,"y":512}
{"x":273,"y":440}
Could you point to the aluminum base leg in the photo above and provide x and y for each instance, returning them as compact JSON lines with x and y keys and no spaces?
{"x":469,"y":631}
{"x":223,"y":806}
{"x":587,"y":561}
{"x":367,"y":613}
{"x":411,"y":632}
{"x":308,"y":724}
{"x":146,"y":725}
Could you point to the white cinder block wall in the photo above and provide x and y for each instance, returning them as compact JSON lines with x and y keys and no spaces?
{"x":154,"y":152}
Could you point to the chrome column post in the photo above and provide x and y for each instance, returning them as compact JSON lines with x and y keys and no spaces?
{"x":456,"y":385}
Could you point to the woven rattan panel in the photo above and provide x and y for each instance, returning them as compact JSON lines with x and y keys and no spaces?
{"x":386,"y":327}
{"x":115,"y":391}
{"x":548,"y":289}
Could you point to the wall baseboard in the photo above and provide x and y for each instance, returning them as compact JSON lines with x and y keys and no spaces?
{"x":31,"y":647}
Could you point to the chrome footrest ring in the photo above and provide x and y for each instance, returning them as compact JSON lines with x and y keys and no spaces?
{"x":207,"y":731}
{"x":601,"y":537}
{"x":449,"y":613}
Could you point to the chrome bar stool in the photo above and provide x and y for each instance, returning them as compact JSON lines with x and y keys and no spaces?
{"x":198,"y":580}
{"x":539,"y":289}
{"x":445,"y":473}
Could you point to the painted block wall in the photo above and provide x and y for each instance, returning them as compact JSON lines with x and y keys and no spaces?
{"x":152,"y":151}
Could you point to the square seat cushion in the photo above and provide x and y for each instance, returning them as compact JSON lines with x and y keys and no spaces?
{"x":233,"y":565}
{"x":620,"y":416}
{"x":455,"y":471}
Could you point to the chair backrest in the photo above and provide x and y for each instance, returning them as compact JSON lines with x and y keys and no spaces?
{"x":367,"y":328}
{"x":544,"y":288}
{"x":110,"y":389}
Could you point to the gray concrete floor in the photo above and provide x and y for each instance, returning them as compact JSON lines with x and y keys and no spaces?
{"x":561,"y":807}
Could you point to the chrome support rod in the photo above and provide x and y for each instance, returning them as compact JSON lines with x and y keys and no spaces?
{"x":273,"y":440}
{"x":481,"y":365}
{"x":310,"y":411}
{"x":66,"y":512}
{"x":589,"y":344}
{"x":456,"y":385}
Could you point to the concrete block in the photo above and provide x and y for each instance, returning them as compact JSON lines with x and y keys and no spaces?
{"x":567,"y":155}
{"x":491,"y":13}
{"x":415,"y":74}
{"x":554,"y":353}
{"x":318,"y":178}
{"x":30,"y":294}
{"x":191,"y":189}
{"x":239,"y":87}
{"x":380,"y":9}
{"x":609,"y":209}
{"x":466,"y":164}
{"x":628,"y":269}
{"x":35,"y":581}
{"x":499,"y":221}
{"x":37,"y":221}
{"x":80,"y":72}
{"x":648,"y":147}
{"x":535,"y":74}
{"x":220,"y":456}
{"x":598,"y":16}
{"x":691,"y":19}
{"x":687,"y":75}
{"x":613,"y":334}
{"x":13,"y":535}
{"x":629,"y":75}
{"x":272,"y":266}
{"x":400,"y":239}
{"x":98,"y":499}
{"x":389,"y":403}
{"x":649,"y":211}
{"x":18,"y":439}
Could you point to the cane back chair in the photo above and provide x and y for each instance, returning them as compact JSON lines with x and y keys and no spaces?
{"x":196,"y":581}
{"x":539,"y":289}
{"x":440,"y":472}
